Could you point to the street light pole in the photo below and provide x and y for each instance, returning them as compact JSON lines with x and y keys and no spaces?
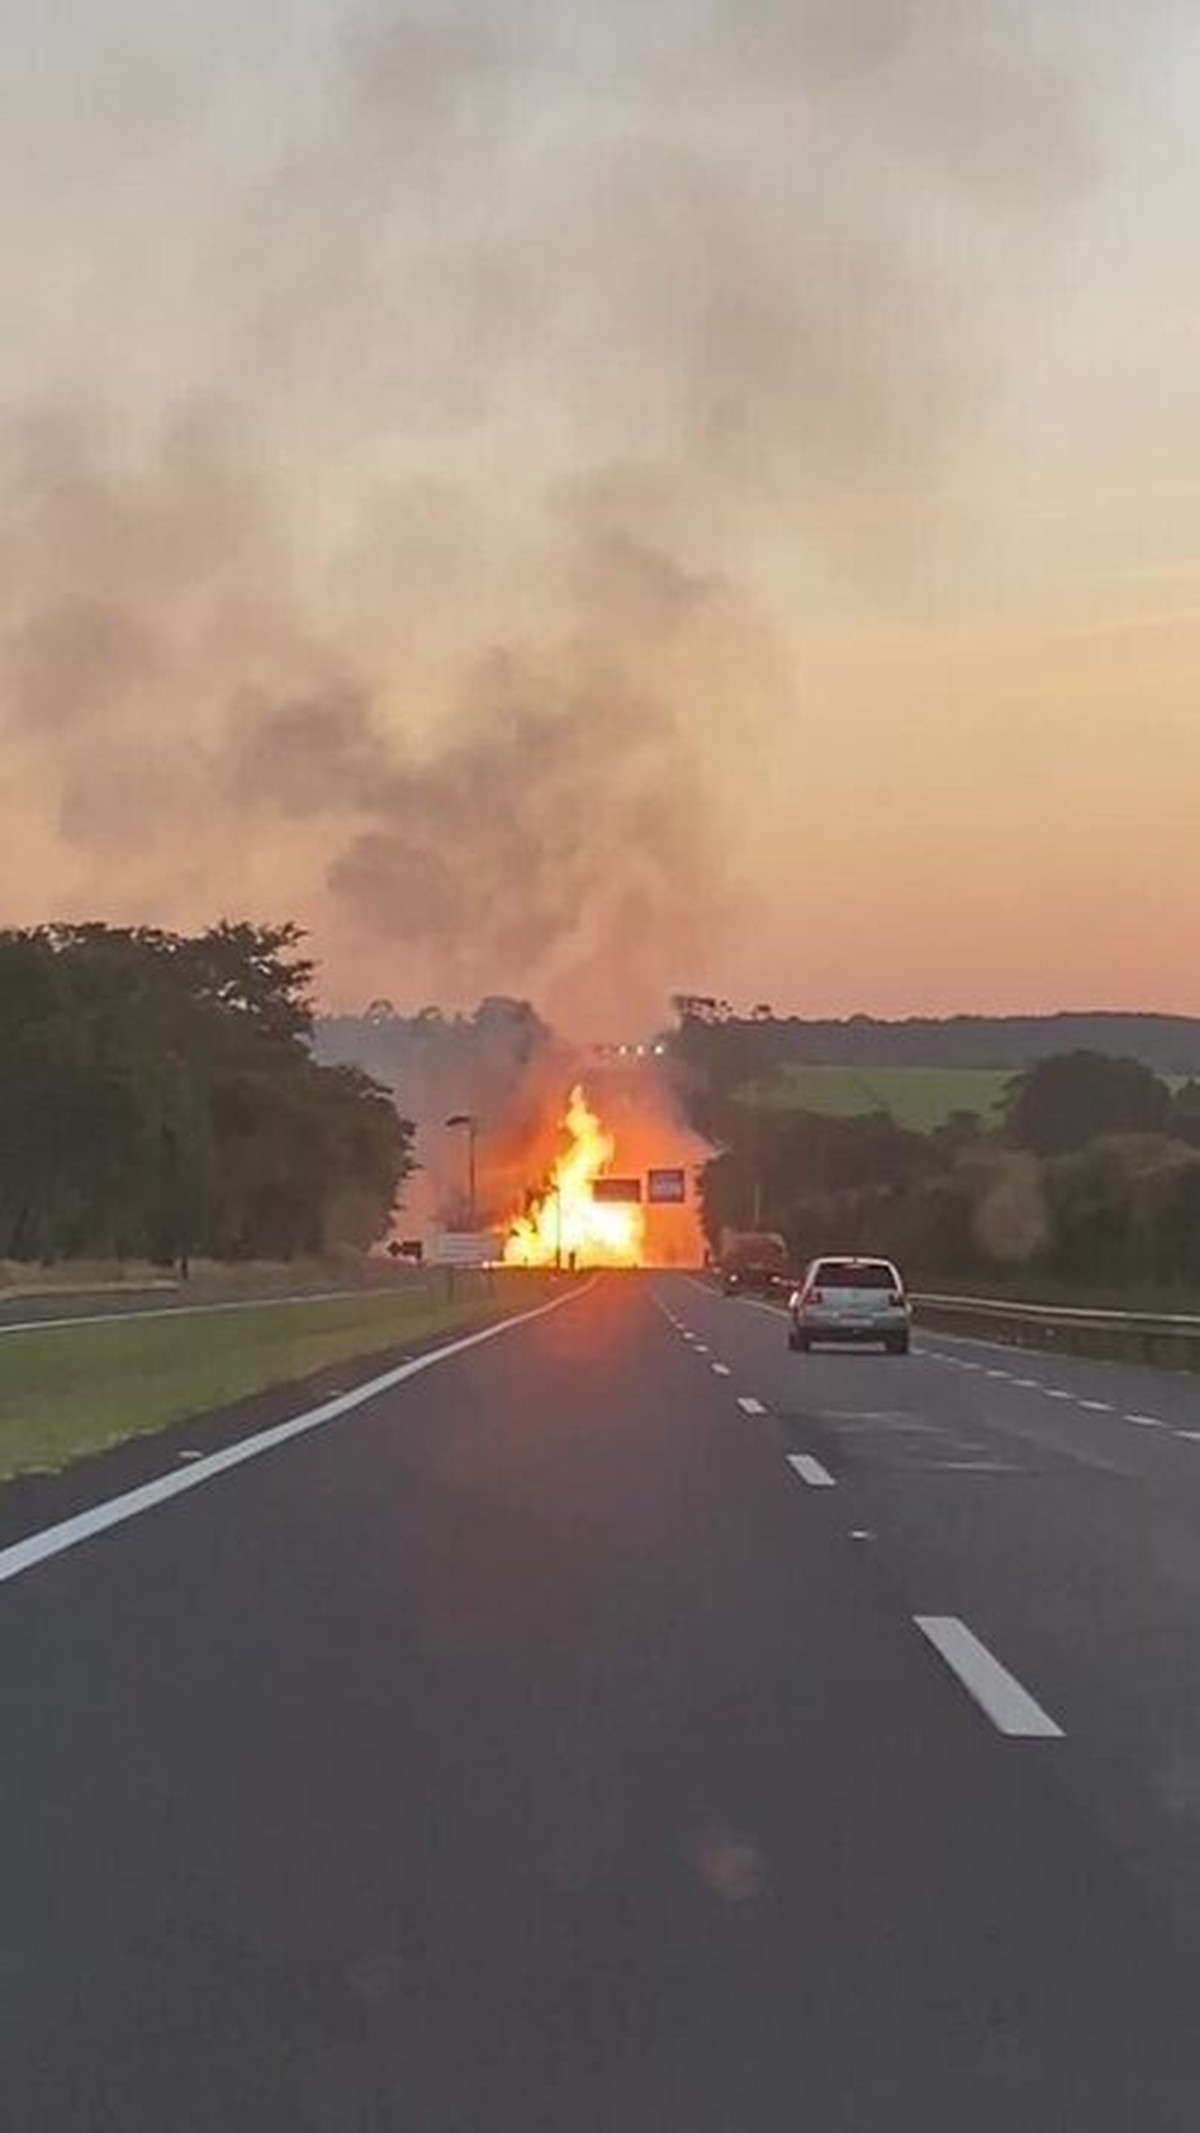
{"x":469,"y":1120}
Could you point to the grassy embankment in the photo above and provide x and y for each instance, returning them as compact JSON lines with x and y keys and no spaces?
{"x":209,"y":1277}
{"x":919,"y":1098}
{"x":72,"y":1390}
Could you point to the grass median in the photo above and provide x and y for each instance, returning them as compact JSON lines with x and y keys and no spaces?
{"x":77,"y":1389}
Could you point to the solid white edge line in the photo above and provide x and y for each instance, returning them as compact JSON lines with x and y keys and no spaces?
{"x":811,"y":1471}
{"x":37,"y":1548}
{"x":998,"y":1693}
{"x":750,"y":1406}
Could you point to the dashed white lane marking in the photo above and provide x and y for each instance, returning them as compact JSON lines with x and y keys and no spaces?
{"x":1147,"y":1421}
{"x":998,"y":1693}
{"x":719,"y":1370}
{"x":975,"y":1466}
{"x":56,"y":1540}
{"x":811,"y":1471}
{"x":701,"y":1348}
{"x":750,"y":1406}
{"x":1152,"y":1422}
{"x":997,"y":1373}
{"x":1028,"y":1384}
{"x":1098,"y":1407}
{"x":1055,"y":1392}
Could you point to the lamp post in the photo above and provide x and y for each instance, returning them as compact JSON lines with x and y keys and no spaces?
{"x":471,"y":1123}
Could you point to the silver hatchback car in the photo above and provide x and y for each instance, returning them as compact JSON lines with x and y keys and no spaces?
{"x":856,"y":1300}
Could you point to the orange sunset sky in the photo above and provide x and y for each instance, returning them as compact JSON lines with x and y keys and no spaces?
{"x":591,"y":502}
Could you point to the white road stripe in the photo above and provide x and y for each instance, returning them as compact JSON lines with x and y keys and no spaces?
{"x":810,"y":1470}
{"x":1055,"y":1392}
{"x":1098,"y":1407}
{"x":701,"y":1348}
{"x":56,"y":1540}
{"x":720,"y":1370}
{"x":1152,"y":1422}
{"x":1010,"y":1707}
{"x":750,"y":1406}
{"x":998,"y":1374}
{"x":975,"y":1466}
{"x":1028,"y":1384}
{"x":1192,"y":1435}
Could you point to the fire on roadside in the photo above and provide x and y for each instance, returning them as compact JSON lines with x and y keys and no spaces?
{"x":565,"y":1225}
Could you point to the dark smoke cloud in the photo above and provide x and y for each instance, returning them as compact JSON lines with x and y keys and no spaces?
{"x":700,"y":237}
{"x":75,"y":659}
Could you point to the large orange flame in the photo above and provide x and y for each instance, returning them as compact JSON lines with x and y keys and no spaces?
{"x":567,"y":1224}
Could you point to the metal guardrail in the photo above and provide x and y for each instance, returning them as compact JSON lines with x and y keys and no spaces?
{"x":1152,"y":1322}
{"x":1155,"y":1336}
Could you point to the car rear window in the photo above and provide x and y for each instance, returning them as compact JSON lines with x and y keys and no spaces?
{"x":872,"y":1274}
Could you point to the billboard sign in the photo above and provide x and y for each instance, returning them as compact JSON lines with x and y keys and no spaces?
{"x":666,"y":1188}
{"x":624,"y":1190}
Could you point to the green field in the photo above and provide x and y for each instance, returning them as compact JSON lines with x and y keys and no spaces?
{"x":72,"y":1390}
{"x":917,"y":1097}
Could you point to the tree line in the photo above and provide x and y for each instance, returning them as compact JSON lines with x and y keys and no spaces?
{"x":159,"y":1099}
{"x":1090,"y":1178}
{"x":730,"y":1048}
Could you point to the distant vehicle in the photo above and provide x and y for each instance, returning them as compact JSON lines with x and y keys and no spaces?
{"x":752,"y":1260}
{"x":850,"y":1300}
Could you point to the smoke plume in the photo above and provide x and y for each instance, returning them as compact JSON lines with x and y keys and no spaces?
{"x":380,"y":523}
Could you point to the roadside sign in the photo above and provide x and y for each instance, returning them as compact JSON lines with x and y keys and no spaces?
{"x":624,"y":1190}
{"x":666,"y":1188}
{"x":464,"y":1247}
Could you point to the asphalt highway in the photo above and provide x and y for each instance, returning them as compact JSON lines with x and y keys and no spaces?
{"x":623,"y":1726}
{"x":92,"y":1307}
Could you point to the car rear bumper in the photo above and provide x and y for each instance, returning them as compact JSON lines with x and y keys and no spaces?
{"x":856,"y":1331}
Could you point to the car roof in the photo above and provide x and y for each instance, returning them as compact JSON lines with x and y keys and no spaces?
{"x":852,"y":1259}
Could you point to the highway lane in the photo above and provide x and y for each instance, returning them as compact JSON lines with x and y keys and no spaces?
{"x":534,"y":1748}
{"x":1054,"y":1504}
{"x":35,"y":1314}
{"x":50,"y":1307}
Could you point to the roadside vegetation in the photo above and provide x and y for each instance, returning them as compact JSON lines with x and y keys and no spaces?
{"x":72,"y":1390}
{"x":919,"y":1098}
{"x":346,"y":1268}
{"x":160,"y":1100}
{"x":1082,"y":1186}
